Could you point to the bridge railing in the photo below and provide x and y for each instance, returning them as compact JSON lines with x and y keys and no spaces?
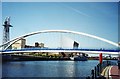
{"x":28,"y":49}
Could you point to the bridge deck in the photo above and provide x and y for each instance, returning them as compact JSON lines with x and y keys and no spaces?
{"x":60,"y":50}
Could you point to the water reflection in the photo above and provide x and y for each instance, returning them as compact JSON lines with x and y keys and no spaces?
{"x":48,"y":68}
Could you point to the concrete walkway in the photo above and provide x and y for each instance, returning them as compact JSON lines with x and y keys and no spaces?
{"x":111,"y":72}
{"x":115,"y":72}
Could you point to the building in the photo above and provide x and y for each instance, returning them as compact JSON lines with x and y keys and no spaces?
{"x":19,"y":44}
{"x":75,"y":45}
{"x":67,"y":42}
{"x":28,"y":46}
{"x":36,"y":44}
{"x":41,"y":45}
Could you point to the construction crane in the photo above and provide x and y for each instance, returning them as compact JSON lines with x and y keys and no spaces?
{"x":6,"y":34}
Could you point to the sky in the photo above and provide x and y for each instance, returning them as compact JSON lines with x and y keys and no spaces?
{"x":96,"y":18}
{"x":60,"y":0}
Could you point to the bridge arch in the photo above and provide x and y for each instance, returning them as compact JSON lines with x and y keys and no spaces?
{"x":60,"y":31}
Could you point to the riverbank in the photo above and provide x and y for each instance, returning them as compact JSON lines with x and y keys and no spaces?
{"x":39,"y":58}
{"x":31,"y":58}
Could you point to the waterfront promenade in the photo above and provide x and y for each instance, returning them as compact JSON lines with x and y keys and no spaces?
{"x":111,"y":72}
{"x":115,"y":72}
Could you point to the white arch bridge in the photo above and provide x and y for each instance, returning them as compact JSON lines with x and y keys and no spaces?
{"x":6,"y":50}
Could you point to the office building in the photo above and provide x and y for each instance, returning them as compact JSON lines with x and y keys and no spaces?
{"x":19,"y":44}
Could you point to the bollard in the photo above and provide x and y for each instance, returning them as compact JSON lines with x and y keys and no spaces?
{"x":92,"y":72}
{"x":118,"y":64}
{"x":107,"y":63}
{"x":95,"y":73}
{"x":100,"y":67}
{"x":110,"y":63}
{"x":97,"y":70}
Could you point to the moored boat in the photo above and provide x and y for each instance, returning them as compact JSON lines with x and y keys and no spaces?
{"x":79,"y":58}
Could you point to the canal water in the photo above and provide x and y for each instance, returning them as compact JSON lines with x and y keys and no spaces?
{"x":48,"y":68}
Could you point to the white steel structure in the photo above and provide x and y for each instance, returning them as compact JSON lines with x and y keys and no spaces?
{"x":59,"y":31}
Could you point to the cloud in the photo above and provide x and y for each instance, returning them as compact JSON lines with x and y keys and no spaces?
{"x":80,"y":12}
{"x":77,"y":11}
